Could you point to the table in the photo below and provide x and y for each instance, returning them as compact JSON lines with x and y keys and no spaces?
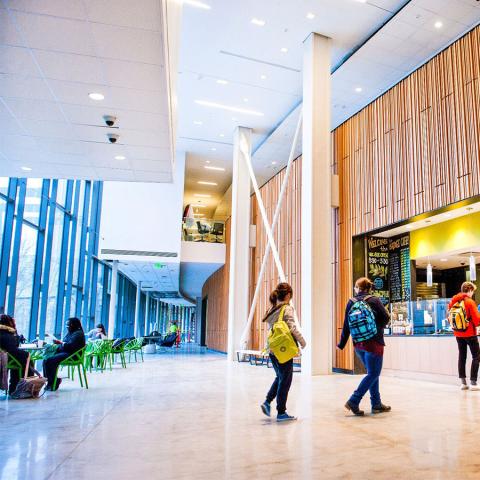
{"x":36,"y":352}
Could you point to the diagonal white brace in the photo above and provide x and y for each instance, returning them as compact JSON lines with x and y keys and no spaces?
{"x":246,"y":332}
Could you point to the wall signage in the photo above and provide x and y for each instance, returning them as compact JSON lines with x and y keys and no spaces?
{"x":399,"y":268}
{"x":377,"y":266}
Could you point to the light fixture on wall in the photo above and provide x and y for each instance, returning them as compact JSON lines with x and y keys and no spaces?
{"x":473,"y":268}
{"x":429,"y":275}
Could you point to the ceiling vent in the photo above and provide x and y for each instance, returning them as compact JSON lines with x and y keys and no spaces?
{"x":140,"y":253}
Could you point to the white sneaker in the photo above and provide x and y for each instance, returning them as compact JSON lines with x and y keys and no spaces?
{"x":464,"y":386}
{"x":474,"y":387}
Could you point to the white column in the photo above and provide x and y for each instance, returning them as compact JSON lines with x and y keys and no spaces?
{"x":113,"y":300}
{"x":137,"y":309}
{"x":317,"y":278}
{"x":239,"y":240}
{"x":147,"y":302}
{"x":157,"y":324}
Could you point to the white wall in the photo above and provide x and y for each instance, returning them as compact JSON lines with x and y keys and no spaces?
{"x":143,"y":216}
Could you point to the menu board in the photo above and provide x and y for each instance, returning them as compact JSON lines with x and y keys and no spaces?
{"x":399,"y":268}
{"x":377,"y":266}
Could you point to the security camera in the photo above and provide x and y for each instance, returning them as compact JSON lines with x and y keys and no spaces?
{"x":110,"y":120}
{"x":112,"y":137}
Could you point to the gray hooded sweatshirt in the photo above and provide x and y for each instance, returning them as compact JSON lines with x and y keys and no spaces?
{"x":289,"y":318}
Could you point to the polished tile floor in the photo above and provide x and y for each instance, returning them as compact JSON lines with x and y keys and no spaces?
{"x":197,"y":417}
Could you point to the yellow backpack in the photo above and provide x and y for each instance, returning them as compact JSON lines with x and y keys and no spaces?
{"x":280,"y":340}
{"x":457,"y":316}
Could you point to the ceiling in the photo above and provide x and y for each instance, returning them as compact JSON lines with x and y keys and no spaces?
{"x":53,"y":54}
{"x":222,"y":44}
{"x":161,"y":276}
{"x":448,"y":260}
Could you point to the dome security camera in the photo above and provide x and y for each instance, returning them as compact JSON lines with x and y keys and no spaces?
{"x":112,"y":137}
{"x":109,"y":120}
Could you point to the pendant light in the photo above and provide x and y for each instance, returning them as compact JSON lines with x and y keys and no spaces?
{"x":473,"y":269}
{"x":429,"y":275}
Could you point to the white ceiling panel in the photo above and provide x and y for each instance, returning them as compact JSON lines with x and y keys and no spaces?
{"x":123,"y":43}
{"x":28,"y":109}
{"x":56,"y":34}
{"x":70,"y":67}
{"x":17,"y":60}
{"x":20,"y":86}
{"x":73,"y":9}
{"x":142,"y":14}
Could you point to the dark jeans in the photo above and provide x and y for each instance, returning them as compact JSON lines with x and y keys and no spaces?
{"x":22,"y":357}
{"x":50,"y":366}
{"x":463,"y":345}
{"x":281,"y":384}
{"x":373,"y":363}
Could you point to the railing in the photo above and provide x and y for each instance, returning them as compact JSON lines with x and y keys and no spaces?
{"x":203,"y":230}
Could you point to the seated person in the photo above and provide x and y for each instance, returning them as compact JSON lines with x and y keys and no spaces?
{"x":73,"y":342}
{"x":9,"y":342}
{"x":97,"y":333}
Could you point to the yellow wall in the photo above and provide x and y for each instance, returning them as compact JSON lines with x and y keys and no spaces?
{"x":458,"y":233}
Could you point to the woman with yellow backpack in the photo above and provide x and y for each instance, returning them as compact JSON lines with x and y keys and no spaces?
{"x":283,"y":339}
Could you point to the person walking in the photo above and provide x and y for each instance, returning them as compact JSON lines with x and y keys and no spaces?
{"x":365,"y":320}
{"x":464,"y":318}
{"x":281,"y":310}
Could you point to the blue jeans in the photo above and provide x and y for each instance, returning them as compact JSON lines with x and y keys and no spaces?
{"x":373,"y":363}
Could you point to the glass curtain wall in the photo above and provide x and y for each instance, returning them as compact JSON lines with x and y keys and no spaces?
{"x":49,"y":232}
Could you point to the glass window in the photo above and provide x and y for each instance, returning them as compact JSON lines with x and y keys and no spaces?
{"x":3,"y":206}
{"x":4,"y":185}
{"x":33,"y":199}
{"x":26,"y":264}
{"x":61,"y":192}
{"x":54,"y":270}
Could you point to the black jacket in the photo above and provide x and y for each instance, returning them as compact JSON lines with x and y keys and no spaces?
{"x":72,"y":342}
{"x":9,"y":340}
{"x":382,"y":317}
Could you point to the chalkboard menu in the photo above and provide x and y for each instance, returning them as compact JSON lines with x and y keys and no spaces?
{"x":399,"y":268}
{"x":377,"y":266}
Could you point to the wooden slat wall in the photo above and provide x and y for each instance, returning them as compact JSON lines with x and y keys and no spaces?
{"x":412,"y":150}
{"x":287,"y":238}
{"x":216,"y":288}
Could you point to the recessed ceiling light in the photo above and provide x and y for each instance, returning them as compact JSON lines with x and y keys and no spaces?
{"x":245,"y":100}
{"x":310,"y":15}
{"x":361,"y":1}
{"x":263,"y":77}
{"x":444,"y":259}
{"x":438,"y":24}
{"x":26,"y":169}
{"x":284,"y":50}
{"x":197,"y":122}
{"x":448,"y":215}
{"x":207,"y":161}
{"x":358,"y":89}
{"x":222,"y":82}
{"x":274,"y":163}
{"x":206,"y":103}
{"x":196,"y":3}
{"x":222,"y":135}
{"x":213,"y":149}
{"x":409,"y":227}
{"x":96,"y":96}
{"x":119,"y":157}
{"x":220,"y":169}
{"x":202,"y":195}
{"x":201,"y":182}
{"x":258,"y":22}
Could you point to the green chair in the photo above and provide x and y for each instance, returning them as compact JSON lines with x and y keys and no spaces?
{"x":77,"y":359}
{"x":117,"y":350}
{"x":134,"y":346}
{"x":13,"y":364}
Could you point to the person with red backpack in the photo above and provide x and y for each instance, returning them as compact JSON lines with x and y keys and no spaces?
{"x":365,"y":319}
{"x":464,"y":318}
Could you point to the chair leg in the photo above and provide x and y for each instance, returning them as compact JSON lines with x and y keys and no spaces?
{"x":54,"y":386}
{"x":141,"y":351}
{"x":79,"y":375}
{"x":85,"y":378}
{"x":124,"y":363}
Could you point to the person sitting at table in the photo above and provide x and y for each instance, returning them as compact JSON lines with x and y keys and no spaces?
{"x":97,"y":333}
{"x":10,"y":342}
{"x":73,"y":341}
